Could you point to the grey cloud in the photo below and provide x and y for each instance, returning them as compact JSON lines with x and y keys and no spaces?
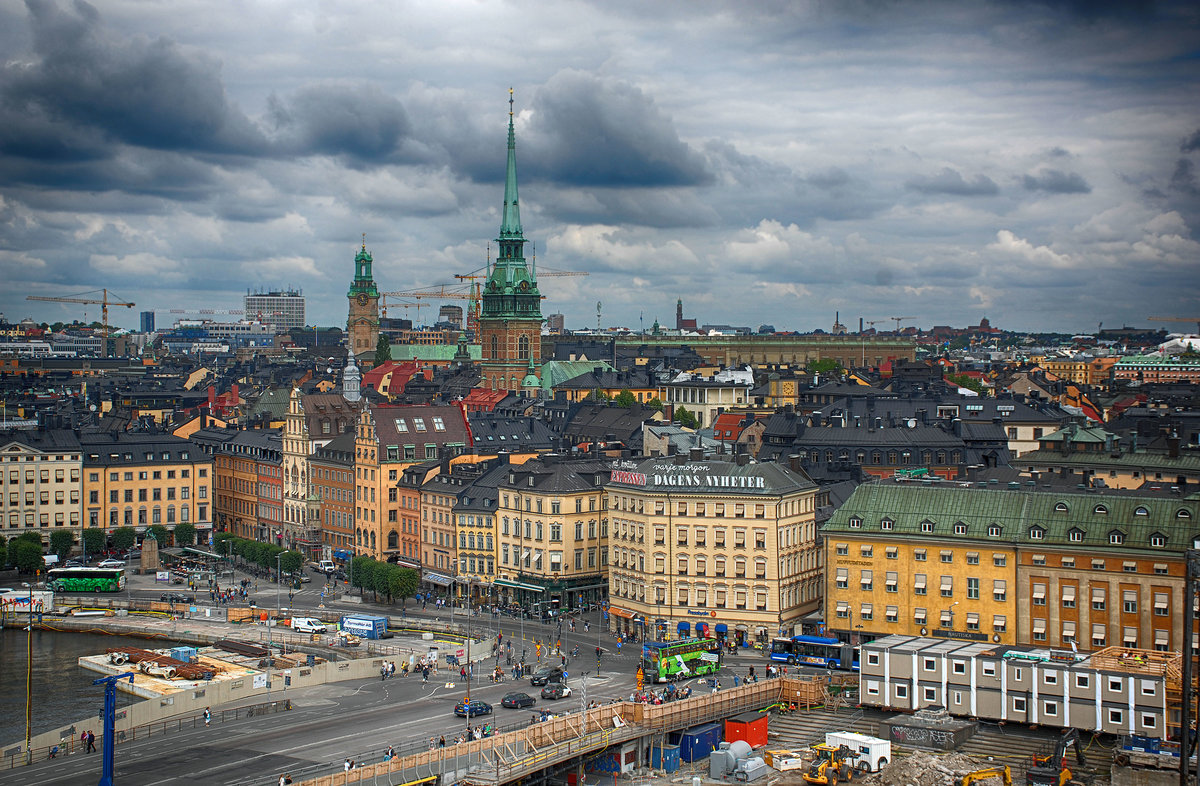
{"x":135,"y":91}
{"x":951,"y":181}
{"x":1183,"y":179}
{"x":1056,"y":181}
{"x":1192,"y":143}
{"x":358,"y":121}
{"x":590,"y":132}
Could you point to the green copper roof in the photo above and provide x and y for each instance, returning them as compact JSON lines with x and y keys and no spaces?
{"x":363,"y":282}
{"x":510,"y":225}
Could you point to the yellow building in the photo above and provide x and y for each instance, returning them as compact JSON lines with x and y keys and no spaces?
{"x":138,"y":480}
{"x":720,"y":548}
{"x":40,"y":482}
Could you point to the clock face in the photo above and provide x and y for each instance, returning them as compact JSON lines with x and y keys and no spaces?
{"x":362,"y":299}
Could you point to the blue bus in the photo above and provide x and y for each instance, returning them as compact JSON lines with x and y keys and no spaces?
{"x":824,"y":651}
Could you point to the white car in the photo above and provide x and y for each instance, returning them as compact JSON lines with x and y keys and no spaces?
{"x":111,"y":563}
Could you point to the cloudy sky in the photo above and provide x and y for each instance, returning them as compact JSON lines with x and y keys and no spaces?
{"x":1037,"y":163}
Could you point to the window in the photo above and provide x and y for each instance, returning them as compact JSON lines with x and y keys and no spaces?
{"x":972,"y":557}
{"x":886,"y":524}
{"x":988,"y":669}
{"x":419,"y":424}
{"x":867,"y":551}
{"x":842,"y":549}
{"x":901,"y":691}
{"x":1050,"y":709}
{"x":1075,"y":535}
{"x":1141,"y":511}
{"x":999,"y":560}
{"x":1061,"y":507}
{"x":1158,"y":540}
{"x":919,"y":555}
{"x":919,"y":584}
{"x":893,"y":613}
{"x":1162,"y":604}
{"x":1036,"y":533}
{"x":947,"y":556}
{"x":995,"y":530}
{"x":927,"y":526}
{"x":958,"y":666}
{"x":960,"y":528}
{"x":973,"y":589}
{"x":1116,"y":538}
{"x":1116,"y":716}
{"x":867,"y":580}
{"x":1068,"y":596}
{"x":892,"y":552}
{"x":931,"y":694}
{"x":999,"y":624}
{"x":1000,"y":590}
{"x":1099,"y":599}
{"x":892,"y":581}
{"x":947,"y":586}
{"x":1129,"y":603}
{"x":1018,"y":704}
{"x":855,"y":522}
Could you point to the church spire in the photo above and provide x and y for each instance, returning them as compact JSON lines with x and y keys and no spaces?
{"x":510,"y":225}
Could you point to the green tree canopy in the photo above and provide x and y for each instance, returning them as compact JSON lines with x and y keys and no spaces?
{"x":94,"y":540}
{"x":403,"y":582}
{"x":30,"y":537}
{"x":61,"y":542}
{"x":185,"y":534}
{"x":3,"y":552}
{"x":362,"y":573}
{"x":123,"y":538}
{"x":291,"y":561}
{"x":655,"y":404}
{"x":26,"y":556}
{"x":963,"y":381}
{"x":685,"y":418}
{"x":161,"y":534}
{"x":383,"y":580}
{"x":824,"y":366}
{"x":625,"y":399}
{"x":383,"y":350}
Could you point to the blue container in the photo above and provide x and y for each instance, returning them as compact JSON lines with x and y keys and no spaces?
{"x":185,"y":654}
{"x":698,"y":742}
{"x":367,"y":626}
{"x":665,"y":758}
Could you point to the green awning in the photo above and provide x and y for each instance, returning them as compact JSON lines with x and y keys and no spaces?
{"x":518,"y":585}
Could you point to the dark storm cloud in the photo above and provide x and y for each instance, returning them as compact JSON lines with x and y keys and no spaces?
{"x":951,"y":181}
{"x":1056,"y":181}
{"x":590,"y":132}
{"x":1183,"y":179}
{"x":135,"y":91}
{"x":1192,"y":143}
{"x":357,"y":121}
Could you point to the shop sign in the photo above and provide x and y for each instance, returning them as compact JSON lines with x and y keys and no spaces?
{"x":942,"y":633}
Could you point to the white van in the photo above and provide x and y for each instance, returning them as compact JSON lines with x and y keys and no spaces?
{"x":308,"y":625}
{"x":326,"y":566}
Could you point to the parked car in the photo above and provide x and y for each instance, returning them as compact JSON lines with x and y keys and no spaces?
{"x":546,"y":674}
{"x":472,"y":708}
{"x":174,"y":597}
{"x":72,"y":563}
{"x":516,"y":701}
{"x":555,"y":690}
{"x":111,"y":563}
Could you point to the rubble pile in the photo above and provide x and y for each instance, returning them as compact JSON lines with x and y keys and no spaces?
{"x":928,"y":769}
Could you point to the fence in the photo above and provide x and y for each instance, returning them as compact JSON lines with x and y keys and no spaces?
{"x":72,"y":744}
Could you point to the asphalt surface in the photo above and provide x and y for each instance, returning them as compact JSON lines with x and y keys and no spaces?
{"x":356,"y":719}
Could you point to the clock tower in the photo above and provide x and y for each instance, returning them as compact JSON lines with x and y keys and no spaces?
{"x":362,"y":325}
{"x":510,"y":321}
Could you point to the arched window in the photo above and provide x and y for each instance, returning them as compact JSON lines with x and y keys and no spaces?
{"x":372,"y":540}
{"x":495,"y":353}
{"x":523,"y":348}
{"x":393,"y":540}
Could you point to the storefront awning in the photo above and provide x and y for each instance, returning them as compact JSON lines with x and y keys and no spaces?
{"x":438,"y":579}
{"x":684,"y":626}
{"x":623,"y":613}
{"x":721,"y":627}
{"x":341,"y":554}
{"x":518,"y":585}
{"x":406,"y":564}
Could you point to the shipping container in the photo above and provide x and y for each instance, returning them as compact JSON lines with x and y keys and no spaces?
{"x":749,"y":726}
{"x":665,"y":758}
{"x":367,"y":626}
{"x":697,"y":742}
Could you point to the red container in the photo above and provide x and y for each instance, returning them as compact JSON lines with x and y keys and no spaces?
{"x":750,"y":727}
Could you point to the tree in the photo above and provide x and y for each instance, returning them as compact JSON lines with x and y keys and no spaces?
{"x":655,"y":404}
{"x":599,"y":397}
{"x":291,"y":561}
{"x":362,"y":574}
{"x":625,"y":399}
{"x":93,"y":540}
{"x":161,"y":534}
{"x":383,"y":583}
{"x":685,"y":418}
{"x":27,"y":556}
{"x":403,"y":583}
{"x":185,"y":533}
{"x":383,"y":350}
{"x":61,"y":542}
{"x":3,"y":553}
{"x":963,"y":381}
{"x":123,"y":538}
{"x":824,"y":366}
{"x":31,"y":537}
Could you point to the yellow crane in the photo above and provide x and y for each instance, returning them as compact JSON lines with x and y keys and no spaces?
{"x":104,"y":302}
{"x":899,"y":320}
{"x":1195,"y":320}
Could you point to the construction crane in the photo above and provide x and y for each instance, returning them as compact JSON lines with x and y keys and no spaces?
{"x":474,"y":301}
{"x":899,"y":320}
{"x":873,"y":322}
{"x":104,"y":303}
{"x":1195,"y":320}
{"x":383,"y":305}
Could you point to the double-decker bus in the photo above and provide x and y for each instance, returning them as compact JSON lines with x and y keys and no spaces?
{"x":86,"y":579}
{"x":817,"y":650}
{"x":677,"y":660}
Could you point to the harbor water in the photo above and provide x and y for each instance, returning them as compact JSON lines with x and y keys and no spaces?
{"x":62,"y":691}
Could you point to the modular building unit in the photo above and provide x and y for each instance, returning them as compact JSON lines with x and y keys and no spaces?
{"x":368,"y":626}
{"x":871,"y":754}
{"x":665,"y":758}
{"x":749,"y":726}
{"x":698,"y":742}
{"x":1114,"y":691}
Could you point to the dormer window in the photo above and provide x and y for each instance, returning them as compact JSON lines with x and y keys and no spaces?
{"x":960,"y":528}
{"x":1158,"y":540}
{"x":927,"y":526}
{"x":1141,"y":511}
{"x":1075,"y":535}
{"x":1116,"y":538}
{"x":1061,"y":507}
{"x":1037,"y":533}
{"x":1100,"y":510}
{"x":995,"y":531}
{"x":855,"y":522}
{"x":886,"y":523}
{"x":1183,"y":513}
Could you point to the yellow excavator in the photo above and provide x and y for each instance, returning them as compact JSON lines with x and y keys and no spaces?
{"x":830,"y":765}
{"x":1052,"y":769}
{"x":1002,"y":772}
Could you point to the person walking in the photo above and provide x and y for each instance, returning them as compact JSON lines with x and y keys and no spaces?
{"x":91,"y":741}
{"x":207,"y":716}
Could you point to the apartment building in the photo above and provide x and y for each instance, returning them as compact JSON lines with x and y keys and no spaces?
{"x":1014,"y":564}
{"x":331,"y":467}
{"x":724,"y":548}
{"x":136,"y":480}
{"x":40,"y":484}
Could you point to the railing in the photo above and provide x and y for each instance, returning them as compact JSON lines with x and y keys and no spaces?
{"x":72,"y":745}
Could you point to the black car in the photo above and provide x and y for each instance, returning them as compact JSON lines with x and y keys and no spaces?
{"x":516,"y":701}
{"x":555,"y":690}
{"x":546,"y":674}
{"x":175,"y":597}
{"x":472,"y":708}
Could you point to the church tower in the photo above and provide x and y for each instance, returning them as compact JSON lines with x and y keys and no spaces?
{"x":510,"y":322}
{"x":362,"y":325}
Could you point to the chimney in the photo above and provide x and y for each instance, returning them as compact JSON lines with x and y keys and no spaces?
{"x":696,"y":454}
{"x":794,"y":462}
{"x":743,"y":459}
{"x":235,"y":394}
{"x":1173,"y":446}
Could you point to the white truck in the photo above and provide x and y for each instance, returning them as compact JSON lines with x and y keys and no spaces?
{"x":870,"y":754}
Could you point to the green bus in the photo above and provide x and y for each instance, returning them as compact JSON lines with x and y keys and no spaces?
{"x":86,"y":579}
{"x":679,"y":660}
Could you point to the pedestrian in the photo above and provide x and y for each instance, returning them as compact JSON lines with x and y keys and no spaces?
{"x":442,"y":741}
{"x":91,"y":741}
{"x":347,"y":765}
{"x":207,"y":716}
{"x":736,"y":680}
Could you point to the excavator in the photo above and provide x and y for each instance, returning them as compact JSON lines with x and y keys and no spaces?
{"x":1002,"y":772}
{"x":830,"y":765}
{"x":1052,"y":770}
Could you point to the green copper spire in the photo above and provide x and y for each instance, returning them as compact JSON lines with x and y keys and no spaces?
{"x":363,"y":282}
{"x":510,"y":225}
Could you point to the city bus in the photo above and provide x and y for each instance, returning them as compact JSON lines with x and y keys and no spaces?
{"x":86,"y":579}
{"x":817,"y":650}
{"x":677,"y":660}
